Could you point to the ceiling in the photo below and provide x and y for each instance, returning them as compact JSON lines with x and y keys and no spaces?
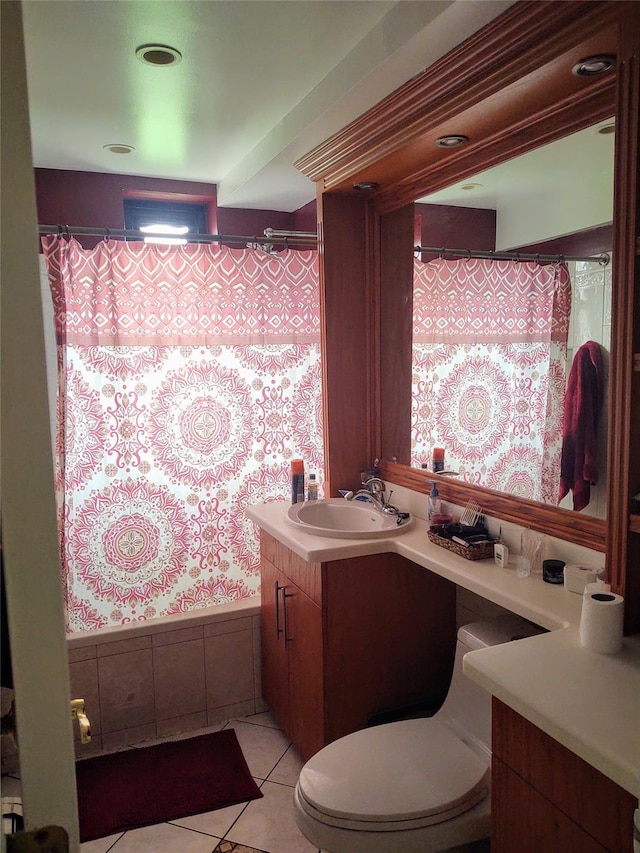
{"x":260,"y":83}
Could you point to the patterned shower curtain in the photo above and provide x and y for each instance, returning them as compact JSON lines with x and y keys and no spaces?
{"x":489,"y":371}
{"x":189,"y":377}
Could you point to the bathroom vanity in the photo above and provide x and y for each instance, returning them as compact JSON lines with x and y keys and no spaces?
{"x":563,"y":777}
{"x":344,"y":638}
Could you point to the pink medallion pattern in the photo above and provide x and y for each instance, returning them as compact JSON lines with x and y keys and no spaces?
{"x":201,"y":424}
{"x":489,"y":357}
{"x":129,"y":542}
{"x":190,"y":377}
{"x":85,"y":429}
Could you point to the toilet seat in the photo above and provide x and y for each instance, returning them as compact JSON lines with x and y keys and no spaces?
{"x":404,"y":775}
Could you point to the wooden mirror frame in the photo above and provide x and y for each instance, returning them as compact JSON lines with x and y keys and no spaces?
{"x":510,"y":89}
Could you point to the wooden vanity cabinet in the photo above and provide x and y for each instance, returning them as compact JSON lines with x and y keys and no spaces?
{"x":545,"y":799}
{"x":347,"y":638}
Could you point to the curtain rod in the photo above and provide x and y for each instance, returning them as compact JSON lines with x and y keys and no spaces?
{"x":602,"y":259}
{"x":273,"y":232}
{"x":292,"y":238}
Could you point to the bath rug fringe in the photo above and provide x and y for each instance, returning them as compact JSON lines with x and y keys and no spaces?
{"x":153,"y":784}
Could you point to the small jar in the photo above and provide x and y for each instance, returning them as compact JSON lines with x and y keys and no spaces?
{"x":553,"y":571}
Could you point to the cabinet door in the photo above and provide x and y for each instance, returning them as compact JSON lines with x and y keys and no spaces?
{"x":275,"y":664}
{"x":303,"y":625}
{"x":523,"y":821}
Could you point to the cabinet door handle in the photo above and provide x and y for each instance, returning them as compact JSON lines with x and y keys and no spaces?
{"x":285,"y":633}
{"x":276,"y":595}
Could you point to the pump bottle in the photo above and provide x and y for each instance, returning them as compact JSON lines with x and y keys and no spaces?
{"x":434,"y":502}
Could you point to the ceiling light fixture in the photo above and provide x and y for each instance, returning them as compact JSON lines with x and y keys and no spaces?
{"x":607,"y":128}
{"x":591,"y":65}
{"x":366,"y":185}
{"x":451,"y":141}
{"x":119,"y":148}
{"x":471,"y":186}
{"x":158,"y":54}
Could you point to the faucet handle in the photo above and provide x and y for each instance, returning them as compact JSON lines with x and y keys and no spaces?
{"x":375,"y":486}
{"x":347,"y":494}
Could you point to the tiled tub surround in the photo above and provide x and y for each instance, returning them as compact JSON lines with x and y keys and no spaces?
{"x":166,"y":676}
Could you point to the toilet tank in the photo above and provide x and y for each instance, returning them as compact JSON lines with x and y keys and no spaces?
{"x":467,"y":708}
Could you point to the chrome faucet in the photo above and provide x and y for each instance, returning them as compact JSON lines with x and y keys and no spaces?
{"x":373,"y":493}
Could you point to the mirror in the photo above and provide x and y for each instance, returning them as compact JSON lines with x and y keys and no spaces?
{"x":528,"y":203}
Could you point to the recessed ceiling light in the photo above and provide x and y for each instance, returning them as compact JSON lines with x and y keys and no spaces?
{"x":471,"y":186}
{"x":591,"y":65}
{"x":607,"y":128}
{"x":366,"y":185}
{"x":119,"y":148}
{"x":451,"y":141}
{"x":158,"y":54}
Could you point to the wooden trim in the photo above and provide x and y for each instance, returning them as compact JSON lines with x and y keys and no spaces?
{"x":562,"y":523}
{"x":516,"y":43}
{"x":624,"y":415}
{"x":574,"y":113}
{"x":347,"y":340}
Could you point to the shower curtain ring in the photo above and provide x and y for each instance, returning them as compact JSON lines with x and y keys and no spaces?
{"x":107,"y":235}
{"x":441,"y":254}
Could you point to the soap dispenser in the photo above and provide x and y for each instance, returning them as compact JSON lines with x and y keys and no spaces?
{"x":434,"y":502}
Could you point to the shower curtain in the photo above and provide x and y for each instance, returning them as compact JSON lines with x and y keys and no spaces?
{"x":489,"y":371}
{"x":189,"y":377}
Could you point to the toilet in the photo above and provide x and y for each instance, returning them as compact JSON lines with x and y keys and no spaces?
{"x":412,"y":786}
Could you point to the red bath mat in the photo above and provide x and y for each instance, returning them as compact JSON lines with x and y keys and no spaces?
{"x":153,"y":784}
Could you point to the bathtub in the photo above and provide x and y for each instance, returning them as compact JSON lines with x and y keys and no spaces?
{"x":166,"y":676}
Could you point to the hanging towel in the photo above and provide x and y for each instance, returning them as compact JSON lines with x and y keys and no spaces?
{"x":582,"y":407}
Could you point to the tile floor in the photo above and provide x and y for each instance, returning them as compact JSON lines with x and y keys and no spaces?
{"x":266,"y":825}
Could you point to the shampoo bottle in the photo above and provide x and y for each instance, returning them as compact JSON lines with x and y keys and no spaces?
{"x":297,"y":481}
{"x":312,"y":488}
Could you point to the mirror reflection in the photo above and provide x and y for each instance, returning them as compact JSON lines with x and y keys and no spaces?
{"x":510,"y":356}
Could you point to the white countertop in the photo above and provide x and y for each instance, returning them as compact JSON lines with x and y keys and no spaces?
{"x":588,"y":702}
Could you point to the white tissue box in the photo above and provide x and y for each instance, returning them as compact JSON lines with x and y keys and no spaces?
{"x":577,"y":576}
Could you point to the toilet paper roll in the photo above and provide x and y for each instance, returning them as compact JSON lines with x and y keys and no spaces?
{"x":597,"y":586}
{"x":601,"y":622}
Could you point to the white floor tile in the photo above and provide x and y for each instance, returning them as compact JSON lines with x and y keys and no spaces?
{"x":215,"y":823}
{"x":100,"y":845}
{"x":288,"y":769}
{"x":262,"y":746}
{"x":268,"y":824}
{"x":263,"y":719}
{"x":163,"y":838}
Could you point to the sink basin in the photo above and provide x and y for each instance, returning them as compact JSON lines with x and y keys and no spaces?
{"x":344,"y":519}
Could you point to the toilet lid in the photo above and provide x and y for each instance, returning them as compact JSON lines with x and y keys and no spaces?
{"x":414,"y":771}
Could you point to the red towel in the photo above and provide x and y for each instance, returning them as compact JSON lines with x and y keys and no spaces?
{"x":582,"y":407}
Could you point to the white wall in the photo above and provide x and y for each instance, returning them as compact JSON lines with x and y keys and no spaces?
{"x":575,"y":194}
